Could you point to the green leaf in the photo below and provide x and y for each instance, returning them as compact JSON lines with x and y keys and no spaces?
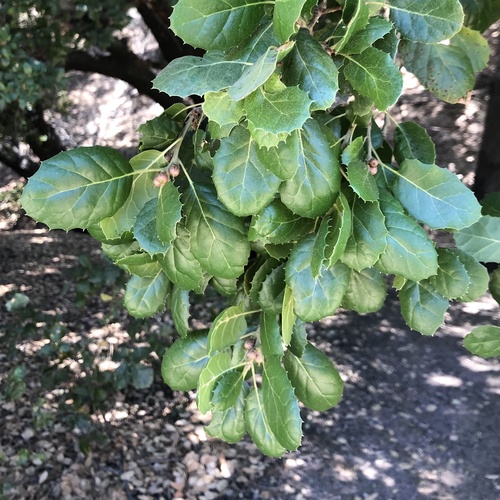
{"x":146,"y":296}
{"x":490,"y":204}
{"x":495,"y":285}
{"x":179,"y":305}
{"x":145,"y":229}
{"x":158,"y":133}
{"x":356,"y":16}
{"x":318,"y":253}
{"x":272,"y":292}
{"x":366,"y":291}
{"x":270,"y":338}
{"x":280,"y":405}
{"x":259,"y":277}
{"x":142,"y":376}
{"x":411,"y":142}
{"x":276,"y":224}
{"x":220,"y":108}
{"x":310,"y":68}
{"x":422,"y":307}
{"x":482,"y":239}
{"x":434,"y":196}
{"x":299,"y":338}
{"x":255,"y":75}
{"x":121,"y":249}
{"x":229,"y":425}
{"x":452,"y":279}
{"x":212,"y":24}
{"x":76,"y":189}
{"x":448,"y":71}
{"x":409,"y":251}
{"x":484,"y":341}
{"x":314,"y":297}
{"x":180,"y":265}
{"x":313,"y":189}
{"x":360,"y":40}
{"x":316,"y":381}
{"x":374,"y":75}
{"x":276,"y":109}
{"x":218,"y":238}
{"x":285,"y":15}
{"x":288,"y":317}
{"x":227,"y":390}
{"x":355,"y":151}
{"x":184,"y":361}
{"x":362,"y":181}
{"x":283,"y":159}
{"x":227,"y":328}
{"x":369,"y":235}
{"x":340,"y":230}
{"x":140,"y":264}
{"x":243,"y":182}
{"x":427,"y":20}
{"x":145,"y":166}
{"x":168,"y":212}
{"x":257,"y":425}
{"x":478,"y":276}
{"x":480,"y":14}
{"x":190,"y":75}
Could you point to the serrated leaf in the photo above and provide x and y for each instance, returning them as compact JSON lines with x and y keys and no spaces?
{"x":258,"y":427}
{"x":270,"y":338}
{"x":285,"y":16}
{"x":426,"y":20}
{"x":145,"y":230}
{"x":226,"y":287}
{"x":409,"y":251}
{"x":116,"y":251}
{"x":354,"y":151}
{"x":145,"y":165}
{"x":319,"y":248}
{"x":255,"y":75}
{"x":480,"y":14}
{"x":411,"y":142}
{"x":191,"y":75}
{"x":423,"y":308}
{"x":158,"y":133}
{"x":478,"y":276}
{"x":434,"y":196}
{"x":482,"y":239}
{"x":318,"y":297}
{"x":362,"y":181}
{"x":288,"y":317}
{"x":272,"y":292}
{"x":366,"y":291}
{"x":227,"y":328}
{"x":276,"y":109}
{"x":78,"y":188}
{"x":310,"y":68}
{"x":494,"y":285}
{"x":355,"y":15}
{"x":368,"y":238}
{"x":140,"y":264}
{"x":312,"y":191}
{"x":214,"y":25}
{"x":146,"y":296}
{"x":184,"y":361}
{"x":179,"y":306}
{"x":180,"y":265}
{"x":484,"y":341}
{"x":280,"y":405}
{"x":218,"y":237}
{"x":168,"y":212}
{"x":316,"y":381}
{"x":227,"y":390}
{"x":374,"y":75}
{"x":299,"y":338}
{"x":452,"y":279}
{"x":243,"y":182}
{"x":360,"y":40}
{"x":283,"y":159}
{"x":448,"y":71}
{"x":220,"y":108}
{"x":340,"y":230}
{"x":229,"y":425}
{"x":259,"y":277}
{"x":389,"y":44}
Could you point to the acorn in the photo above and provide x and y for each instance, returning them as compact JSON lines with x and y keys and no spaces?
{"x":160,"y":180}
{"x":373,"y":162}
{"x":174,"y":170}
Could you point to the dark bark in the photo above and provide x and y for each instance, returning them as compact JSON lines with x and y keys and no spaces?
{"x":123,"y":64}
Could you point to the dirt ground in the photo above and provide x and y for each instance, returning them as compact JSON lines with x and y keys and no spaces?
{"x":418,"y":419}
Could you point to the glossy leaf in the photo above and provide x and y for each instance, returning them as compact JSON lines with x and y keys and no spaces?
{"x":260,"y":276}
{"x":257,"y":425}
{"x":220,"y":108}
{"x":482,"y":239}
{"x":214,"y":25}
{"x":146,"y":296}
{"x":280,"y":405}
{"x":283,"y":159}
{"x":158,"y":133}
{"x":285,"y":15}
{"x":227,"y":328}
{"x":243,"y":182}
{"x":168,"y":212}
{"x":270,"y":338}
{"x":310,"y":68}
{"x":179,"y":306}
{"x":145,"y":229}
{"x":366,"y":291}
{"x":318,"y":297}
{"x":360,"y":40}
{"x":318,"y":254}
{"x":227,"y":390}
{"x":76,"y":189}
{"x":218,"y":238}
{"x":355,"y":15}
{"x":435,"y":196}
{"x":494,"y":285}
{"x":484,"y":341}
{"x":316,"y":381}
{"x":313,"y":189}
{"x":184,"y":361}
{"x":271,"y":294}
{"x":340,"y":231}
{"x":422,"y":307}
{"x":140,"y":264}
{"x":452,"y":279}
{"x":477,"y":274}
{"x":299,"y":338}
{"x":411,"y":142}
{"x":288,"y":317}
{"x":490,"y":204}
{"x":374,"y":75}
{"x":362,"y":181}
{"x":355,"y":151}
